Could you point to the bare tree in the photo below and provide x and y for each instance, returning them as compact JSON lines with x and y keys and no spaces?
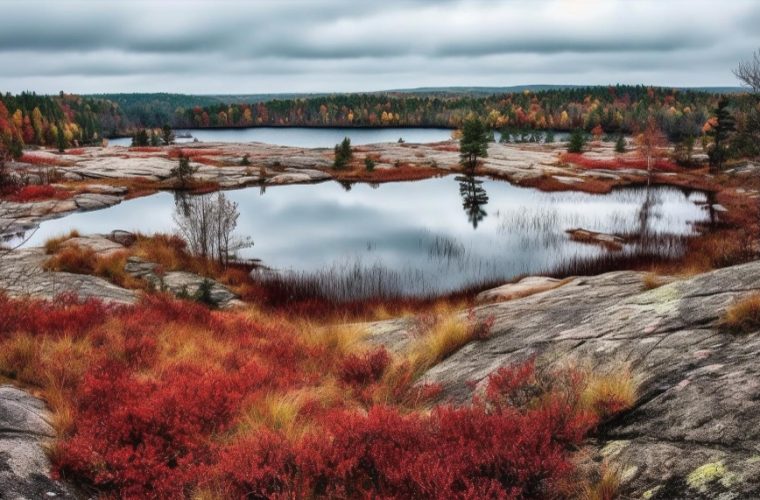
{"x":208,"y":225}
{"x":749,"y":72}
{"x":651,"y":143}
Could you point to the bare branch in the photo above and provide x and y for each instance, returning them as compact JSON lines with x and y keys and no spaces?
{"x":749,"y":72}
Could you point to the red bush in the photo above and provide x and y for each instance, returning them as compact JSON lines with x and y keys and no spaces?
{"x":39,"y":192}
{"x":39,"y":160}
{"x":618,"y":163}
{"x":364,"y":369}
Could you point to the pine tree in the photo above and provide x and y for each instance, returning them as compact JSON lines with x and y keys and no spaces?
{"x":343,"y":153}
{"x":620,"y":144}
{"x":61,"y":139}
{"x":473,"y":144}
{"x":577,"y":141}
{"x":720,"y":133}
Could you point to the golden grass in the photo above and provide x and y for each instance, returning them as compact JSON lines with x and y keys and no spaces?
{"x":652,"y":281}
{"x":607,"y":487}
{"x":744,"y":315}
{"x":52,"y":245}
{"x":446,"y":337}
{"x":607,"y":392}
{"x":279,"y":412}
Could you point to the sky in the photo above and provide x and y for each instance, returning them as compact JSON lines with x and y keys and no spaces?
{"x":276,"y":46}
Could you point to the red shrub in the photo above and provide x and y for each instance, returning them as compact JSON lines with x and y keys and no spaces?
{"x":39,"y":160}
{"x":65,"y":314}
{"x":193,"y":153}
{"x":78,"y":151}
{"x":364,"y":369}
{"x":617,"y":163}
{"x":145,"y":149}
{"x":39,"y":192}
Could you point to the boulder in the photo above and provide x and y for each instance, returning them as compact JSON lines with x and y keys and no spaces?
{"x":124,"y":238}
{"x":94,"y":201}
{"x":608,"y":241}
{"x":694,"y":431}
{"x":24,"y":431}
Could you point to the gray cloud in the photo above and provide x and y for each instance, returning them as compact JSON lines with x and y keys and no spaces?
{"x":281,"y":46}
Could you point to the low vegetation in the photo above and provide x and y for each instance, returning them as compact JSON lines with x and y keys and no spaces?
{"x":168,"y":398}
{"x":744,"y":315}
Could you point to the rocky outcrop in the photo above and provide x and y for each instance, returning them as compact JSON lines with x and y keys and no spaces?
{"x":695,"y":429}
{"x":22,"y":275}
{"x":180,"y":283}
{"x":24,"y":430}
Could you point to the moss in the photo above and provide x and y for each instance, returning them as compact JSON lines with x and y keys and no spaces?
{"x":701,"y":477}
{"x":650,"y":493}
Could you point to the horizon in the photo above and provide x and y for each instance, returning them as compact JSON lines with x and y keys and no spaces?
{"x":296,"y":47}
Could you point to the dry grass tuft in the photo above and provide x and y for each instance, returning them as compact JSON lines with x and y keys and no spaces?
{"x":607,"y":487}
{"x":744,"y":315}
{"x":652,"y":281}
{"x":607,"y":393}
{"x":52,"y":245}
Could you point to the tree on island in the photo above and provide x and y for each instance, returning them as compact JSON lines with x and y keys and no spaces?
{"x":719,"y":128}
{"x":473,"y":144}
{"x":343,"y":154}
{"x":577,"y":141}
{"x":140,"y":138}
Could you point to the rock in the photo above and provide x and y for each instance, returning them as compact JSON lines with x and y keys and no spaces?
{"x":94,"y":201}
{"x":22,"y":275}
{"x":24,"y":431}
{"x":608,"y":241}
{"x":124,"y":238}
{"x":106,"y":189}
{"x":523,"y":288}
{"x":98,"y":244}
{"x":72,"y":176}
{"x":180,"y":283}
{"x":695,"y":430}
{"x":291,"y":178}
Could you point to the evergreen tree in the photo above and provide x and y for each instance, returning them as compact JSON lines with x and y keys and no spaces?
{"x":549,"y":137}
{"x":61,"y":139}
{"x":473,"y":144}
{"x":183,"y":172}
{"x":343,"y":153}
{"x":620,"y":144}
{"x":577,"y":142}
{"x":720,"y":133}
{"x":168,"y":134}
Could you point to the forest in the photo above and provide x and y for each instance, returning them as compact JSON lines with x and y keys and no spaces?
{"x":67,"y":119}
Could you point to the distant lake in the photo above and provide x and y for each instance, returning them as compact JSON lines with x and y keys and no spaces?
{"x":304,"y":137}
{"x":433,"y":235}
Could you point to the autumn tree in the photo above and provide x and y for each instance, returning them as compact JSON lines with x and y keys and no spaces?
{"x":719,"y":129}
{"x":473,"y":144}
{"x":651,"y":143}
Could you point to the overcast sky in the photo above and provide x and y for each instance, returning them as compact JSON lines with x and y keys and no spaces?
{"x":354,"y":45}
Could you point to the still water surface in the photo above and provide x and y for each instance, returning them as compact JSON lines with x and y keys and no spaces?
{"x":435,"y":235}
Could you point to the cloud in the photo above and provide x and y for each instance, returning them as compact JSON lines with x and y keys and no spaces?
{"x":271,"y":46}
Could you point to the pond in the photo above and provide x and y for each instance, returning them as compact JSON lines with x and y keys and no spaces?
{"x":303,"y":137}
{"x":428,"y":236}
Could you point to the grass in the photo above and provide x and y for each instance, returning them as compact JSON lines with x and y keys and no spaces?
{"x":607,"y":392}
{"x":652,"y":281}
{"x":743,"y":316}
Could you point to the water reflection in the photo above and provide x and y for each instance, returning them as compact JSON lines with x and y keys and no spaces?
{"x":474,"y":198}
{"x":416,"y":230}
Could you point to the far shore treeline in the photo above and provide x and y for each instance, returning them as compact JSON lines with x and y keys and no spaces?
{"x":31,"y":119}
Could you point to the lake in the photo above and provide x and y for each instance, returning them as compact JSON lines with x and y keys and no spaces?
{"x":433,"y":235}
{"x":304,"y":137}
{"x":309,"y":137}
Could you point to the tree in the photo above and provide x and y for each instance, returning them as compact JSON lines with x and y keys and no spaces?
{"x":473,"y":144}
{"x":369,"y":164}
{"x":140,"y":138}
{"x":719,"y":129}
{"x":168,"y":134}
{"x":620,"y":144}
{"x":343,"y":154}
{"x":208,"y":225}
{"x":749,"y":72}
{"x":183,"y":172}
{"x":651,"y":142}
{"x":577,"y":142}
{"x":549,"y":137}
{"x":60,"y":139}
